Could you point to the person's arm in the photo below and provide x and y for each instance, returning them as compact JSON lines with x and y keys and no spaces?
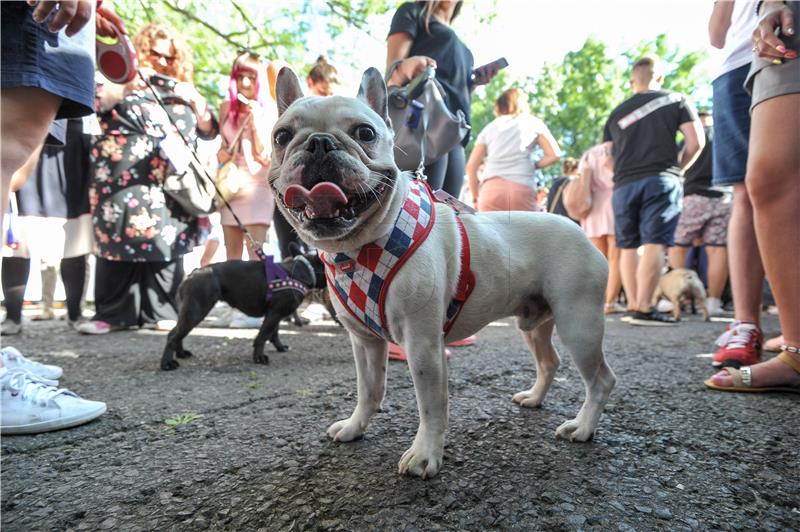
{"x":719,"y":22}
{"x":694,"y":140}
{"x":223,"y":155}
{"x":475,"y":160}
{"x":398,"y":45}
{"x":552,"y":153}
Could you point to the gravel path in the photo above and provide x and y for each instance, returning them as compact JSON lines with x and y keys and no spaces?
{"x":668,"y":454}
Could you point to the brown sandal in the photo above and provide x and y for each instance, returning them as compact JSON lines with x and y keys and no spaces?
{"x":742,"y":378}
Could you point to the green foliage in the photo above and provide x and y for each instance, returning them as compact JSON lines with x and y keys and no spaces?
{"x":575,"y":97}
{"x":216,"y":31}
{"x":180,"y":419}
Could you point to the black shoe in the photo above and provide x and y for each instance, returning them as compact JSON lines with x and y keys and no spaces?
{"x":651,"y":319}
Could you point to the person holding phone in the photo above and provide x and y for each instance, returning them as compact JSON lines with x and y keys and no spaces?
{"x":142,"y":234}
{"x":421,"y":36}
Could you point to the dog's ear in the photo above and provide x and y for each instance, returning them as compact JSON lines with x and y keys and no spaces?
{"x":295,"y":249}
{"x":287,"y":89}
{"x":373,"y":92}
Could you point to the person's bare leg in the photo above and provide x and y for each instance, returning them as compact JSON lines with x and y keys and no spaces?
{"x":676,"y":256}
{"x":600,"y":243}
{"x":209,"y":250}
{"x":746,"y":270}
{"x":773,"y":182}
{"x":234,"y":244}
{"x":259,"y":234}
{"x":26,"y":117}
{"x":628,"y":264}
{"x":717,"y":270}
{"x":647,"y":274}
{"x":614,"y":279}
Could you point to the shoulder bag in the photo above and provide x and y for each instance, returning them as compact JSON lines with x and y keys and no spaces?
{"x":424,"y":128}
{"x":230,"y":177}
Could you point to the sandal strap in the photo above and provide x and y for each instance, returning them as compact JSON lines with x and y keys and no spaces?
{"x":790,"y":361}
{"x":741,"y":377}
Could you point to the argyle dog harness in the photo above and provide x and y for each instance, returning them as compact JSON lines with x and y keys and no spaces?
{"x":361,"y":278}
{"x":278,"y":280}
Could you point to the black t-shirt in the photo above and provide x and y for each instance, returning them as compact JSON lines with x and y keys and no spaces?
{"x":555,"y":204}
{"x":698,"y":176}
{"x":643,"y":130}
{"x":454,"y":61}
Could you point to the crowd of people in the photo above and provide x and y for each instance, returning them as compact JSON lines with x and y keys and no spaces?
{"x":730,"y":187}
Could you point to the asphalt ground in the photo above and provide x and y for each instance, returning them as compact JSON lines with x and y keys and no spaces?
{"x":224,"y":444}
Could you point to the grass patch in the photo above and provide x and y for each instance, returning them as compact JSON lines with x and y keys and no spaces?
{"x":180,"y":419}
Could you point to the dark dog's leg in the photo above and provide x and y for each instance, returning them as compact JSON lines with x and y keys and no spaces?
{"x":193,"y":309}
{"x":299,"y":321}
{"x":269,"y":330}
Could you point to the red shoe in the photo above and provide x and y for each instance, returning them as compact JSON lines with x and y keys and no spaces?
{"x":739,"y":345}
{"x":397,"y":353}
{"x":464,"y":342}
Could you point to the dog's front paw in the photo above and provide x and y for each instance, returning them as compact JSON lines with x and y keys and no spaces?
{"x":184,"y":353}
{"x":529,"y":398}
{"x":260,"y":358}
{"x":575,"y":430}
{"x":169,"y":365}
{"x":421,"y":460}
{"x":346,"y":430}
{"x":281,"y":348}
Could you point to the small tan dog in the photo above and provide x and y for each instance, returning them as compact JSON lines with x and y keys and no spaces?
{"x":679,"y":285}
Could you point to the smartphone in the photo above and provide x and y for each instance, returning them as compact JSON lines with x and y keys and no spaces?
{"x":497,"y":64}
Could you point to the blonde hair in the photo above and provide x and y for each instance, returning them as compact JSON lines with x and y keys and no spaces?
{"x":431,"y":6}
{"x":146,"y":37}
{"x":569,"y":165}
{"x":323,"y":72}
{"x":511,"y":102}
{"x":646,"y":69}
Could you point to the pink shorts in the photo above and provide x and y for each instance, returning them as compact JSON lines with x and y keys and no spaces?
{"x":498,"y":194}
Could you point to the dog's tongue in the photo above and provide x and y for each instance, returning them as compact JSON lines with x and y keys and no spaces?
{"x":323,"y":201}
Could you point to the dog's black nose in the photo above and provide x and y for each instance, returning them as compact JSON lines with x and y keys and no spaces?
{"x":321,"y":143}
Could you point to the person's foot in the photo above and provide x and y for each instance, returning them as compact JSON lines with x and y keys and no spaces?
{"x":45,"y":315}
{"x":773,"y":345}
{"x":94,"y":327}
{"x":739,"y":345}
{"x":166,"y":325}
{"x":664,"y":305}
{"x":613,"y":308}
{"x":714,"y":306}
{"x":772,"y":372}
{"x":240,"y":320}
{"x":651,"y":318}
{"x":31,"y":405}
{"x":10,"y":327}
{"x":464,"y":342}
{"x":13,"y":360}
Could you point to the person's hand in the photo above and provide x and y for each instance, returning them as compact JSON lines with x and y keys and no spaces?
{"x":765,"y":43}
{"x":485,"y":74}
{"x":223,"y":156}
{"x":410,"y":68}
{"x":70,"y":14}
{"x":188,"y":92}
{"x":107,"y":22}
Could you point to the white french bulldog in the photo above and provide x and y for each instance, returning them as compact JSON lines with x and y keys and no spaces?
{"x":335,"y":180}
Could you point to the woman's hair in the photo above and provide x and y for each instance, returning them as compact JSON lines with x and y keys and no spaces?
{"x":511,"y":102}
{"x":323,"y":72}
{"x":146,"y":37}
{"x":569,"y":165}
{"x":247,"y":61}
{"x":429,"y":7}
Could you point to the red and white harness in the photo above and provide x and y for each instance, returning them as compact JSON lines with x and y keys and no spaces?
{"x":361,"y":278}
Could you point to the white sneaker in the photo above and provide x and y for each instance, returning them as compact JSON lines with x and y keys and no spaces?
{"x":10,"y":327}
{"x":714,"y":306}
{"x":664,"y":305}
{"x":31,"y":405}
{"x":13,"y":359}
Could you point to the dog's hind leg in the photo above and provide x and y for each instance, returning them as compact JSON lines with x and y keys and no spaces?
{"x":371,"y":357}
{"x":580,"y":327}
{"x":192,"y":312}
{"x":540,"y":341}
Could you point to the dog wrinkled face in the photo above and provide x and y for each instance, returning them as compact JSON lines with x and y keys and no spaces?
{"x":332,"y":157}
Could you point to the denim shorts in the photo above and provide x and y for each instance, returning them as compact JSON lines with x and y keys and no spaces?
{"x":32,"y":56}
{"x":731,"y":127}
{"x":646,"y":211}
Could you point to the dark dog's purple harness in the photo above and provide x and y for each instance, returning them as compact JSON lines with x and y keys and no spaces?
{"x":278,"y":279}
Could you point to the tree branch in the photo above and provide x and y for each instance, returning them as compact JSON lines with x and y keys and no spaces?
{"x":191,"y":16}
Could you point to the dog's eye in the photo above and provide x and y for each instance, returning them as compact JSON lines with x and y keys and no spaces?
{"x":283,"y":137}
{"x":365,"y":133}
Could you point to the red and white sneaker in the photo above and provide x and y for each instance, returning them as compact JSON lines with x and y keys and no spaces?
{"x":740,"y":345}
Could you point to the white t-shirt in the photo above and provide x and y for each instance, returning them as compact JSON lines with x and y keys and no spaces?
{"x":738,"y":49}
{"x":510,"y":141}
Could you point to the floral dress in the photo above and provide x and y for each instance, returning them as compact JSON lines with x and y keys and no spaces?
{"x":133,"y":220}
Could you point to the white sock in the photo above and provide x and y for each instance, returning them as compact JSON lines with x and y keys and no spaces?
{"x":713,"y":304}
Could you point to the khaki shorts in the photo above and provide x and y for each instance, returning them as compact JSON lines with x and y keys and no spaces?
{"x":767,"y":81}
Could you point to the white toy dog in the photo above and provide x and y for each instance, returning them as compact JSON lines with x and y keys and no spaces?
{"x":406,"y":267}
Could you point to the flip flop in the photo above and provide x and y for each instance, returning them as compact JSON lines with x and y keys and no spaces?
{"x":397,"y":353}
{"x":742,"y":379}
{"x":464,"y":342}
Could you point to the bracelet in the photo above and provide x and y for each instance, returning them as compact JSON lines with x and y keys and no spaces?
{"x":790,"y":349}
